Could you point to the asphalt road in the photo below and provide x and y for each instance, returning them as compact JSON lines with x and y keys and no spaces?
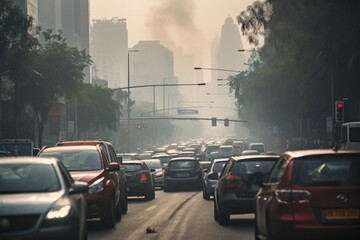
{"x":173,"y":215}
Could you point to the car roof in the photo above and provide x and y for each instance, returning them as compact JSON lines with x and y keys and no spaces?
{"x":70,"y":148}
{"x":182,"y":159}
{"x":254,"y":157}
{"x":133,"y":162}
{"x":82,"y":142}
{"x":314,"y":152}
{"x":29,"y":159}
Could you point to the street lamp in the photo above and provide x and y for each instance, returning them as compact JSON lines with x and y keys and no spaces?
{"x":128,"y":98}
{"x":164,"y":91}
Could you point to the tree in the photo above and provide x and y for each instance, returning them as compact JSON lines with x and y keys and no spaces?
{"x":60,"y":74}
{"x":97,"y":110}
{"x":17,"y":39}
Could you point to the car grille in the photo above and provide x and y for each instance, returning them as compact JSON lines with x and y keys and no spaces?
{"x":18,"y":222}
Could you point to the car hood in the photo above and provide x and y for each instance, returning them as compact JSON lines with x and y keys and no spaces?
{"x":27,"y":203}
{"x":86,"y":176}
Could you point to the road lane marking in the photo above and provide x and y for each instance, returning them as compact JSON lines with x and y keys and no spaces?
{"x":151,"y":208}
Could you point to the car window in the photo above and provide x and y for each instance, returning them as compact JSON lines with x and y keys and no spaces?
{"x":218,"y":166}
{"x":227,"y":167}
{"x":153,"y":164}
{"x":248,"y":167}
{"x":278,"y":171}
{"x":326,"y":171}
{"x":133,"y":167}
{"x":67,"y":177}
{"x":182,"y":164}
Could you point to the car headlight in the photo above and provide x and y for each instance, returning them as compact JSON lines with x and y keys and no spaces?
{"x":159,"y":174}
{"x":60,"y":212}
{"x":61,"y":209}
{"x":97,"y":186}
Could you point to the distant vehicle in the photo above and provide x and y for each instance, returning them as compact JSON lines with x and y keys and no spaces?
{"x":226,"y":151}
{"x":155,"y":164}
{"x":187,"y":154}
{"x":144,"y":155}
{"x":350,"y":135}
{"x":238,"y":146}
{"x":184,"y":172}
{"x":90,"y":164}
{"x":234,"y":194}
{"x":40,"y":199}
{"x":140,"y":181}
{"x":310,"y":194}
{"x":208,"y":149}
{"x":211,"y":176}
{"x":260,"y":147}
{"x":128,"y":156}
{"x":249,"y":152}
{"x":164,"y":158}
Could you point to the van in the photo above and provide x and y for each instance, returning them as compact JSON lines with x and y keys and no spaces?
{"x":350,"y":135}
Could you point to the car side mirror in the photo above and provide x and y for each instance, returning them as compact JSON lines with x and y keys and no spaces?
{"x":79,"y":187}
{"x":213,"y":176}
{"x":113,"y":167}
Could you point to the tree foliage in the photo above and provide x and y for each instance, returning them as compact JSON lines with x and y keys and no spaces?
{"x":310,"y":57}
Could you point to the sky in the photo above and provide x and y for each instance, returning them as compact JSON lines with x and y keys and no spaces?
{"x":189,"y":24}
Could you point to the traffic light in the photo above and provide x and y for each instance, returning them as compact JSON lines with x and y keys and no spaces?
{"x":213,"y":121}
{"x":339,"y":111}
{"x":226,"y":122}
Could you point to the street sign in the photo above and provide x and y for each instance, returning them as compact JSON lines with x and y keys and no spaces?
{"x":187,"y":111}
{"x":17,"y":147}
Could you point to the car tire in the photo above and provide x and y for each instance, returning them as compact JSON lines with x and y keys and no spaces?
{"x":124,"y":201}
{"x":206,"y":196}
{"x":256,"y":230}
{"x":223,"y":217}
{"x":215,"y":211}
{"x":118,"y":211}
{"x":108,"y":221}
{"x":149,"y":194}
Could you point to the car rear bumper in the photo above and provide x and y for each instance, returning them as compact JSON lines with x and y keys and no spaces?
{"x":238,"y":205}
{"x":138,"y":189}
{"x":183,"y":182}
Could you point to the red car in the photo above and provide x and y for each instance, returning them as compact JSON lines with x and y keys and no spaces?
{"x":88,"y":163}
{"x":310,"y":194}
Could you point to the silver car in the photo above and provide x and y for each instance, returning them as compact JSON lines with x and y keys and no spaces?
{"x":40,"y":200}
{"x":210,"y":183}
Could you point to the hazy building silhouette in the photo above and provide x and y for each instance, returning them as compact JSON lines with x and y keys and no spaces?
{"x":152,"y":64}
{"x":72,"y":18}
{"x":29,"y":7}
{"x":109,"y":49}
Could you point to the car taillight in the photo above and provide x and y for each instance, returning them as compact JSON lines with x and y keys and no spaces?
{"x":233,"y":182}
{"x":292,"y":196}
{"x":143,"y":178}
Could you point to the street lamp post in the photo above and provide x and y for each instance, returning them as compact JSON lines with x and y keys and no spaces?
{"x":164,"y":92}
{"x":128,"y":98}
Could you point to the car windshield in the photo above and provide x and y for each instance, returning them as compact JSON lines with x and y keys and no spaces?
{"x":77,"y":160}
{"x":327,"y":171}
{"x":153,"y":164}
{"x":182,"y":164}
{"x":28,"y":178}
{"x":129,"y":167}
{"x":244,"y":168}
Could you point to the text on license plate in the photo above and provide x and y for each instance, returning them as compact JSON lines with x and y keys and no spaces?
{"x":182,"y":174}
{"x":338,"y":214}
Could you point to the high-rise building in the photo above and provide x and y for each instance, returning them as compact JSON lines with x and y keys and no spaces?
{"x":109,"y":51}
{"x":152,"y":64}
{"x":72,"y":18}
{"x":29,"y":7}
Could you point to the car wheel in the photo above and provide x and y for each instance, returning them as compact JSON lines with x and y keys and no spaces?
{"x":149,"y":194}
{"x":223,"y":217}
{"x":118,"y":212}
{"x":215,"y":211}
{"x":108,"y":220}
{"x":166,"y":188}
{"x":205,"y":194}
{"x":124,"y":201}
{"x":256,"y":230}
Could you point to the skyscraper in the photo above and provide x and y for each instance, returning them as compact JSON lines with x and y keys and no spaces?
{"x":109,"y":49}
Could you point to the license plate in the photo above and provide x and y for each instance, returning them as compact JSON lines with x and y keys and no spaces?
{"x":182,"y":174}
{"x":340,"y":214}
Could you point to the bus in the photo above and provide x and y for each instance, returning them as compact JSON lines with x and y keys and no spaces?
{"x":350,"y":135}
